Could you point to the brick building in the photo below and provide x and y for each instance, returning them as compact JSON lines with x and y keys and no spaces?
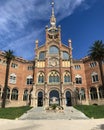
{"x":53,"y":76}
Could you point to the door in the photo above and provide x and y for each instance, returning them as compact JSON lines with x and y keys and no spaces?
{"x":54,"y":97}
{"x":68,"y":98}
{"x":40,"y":99}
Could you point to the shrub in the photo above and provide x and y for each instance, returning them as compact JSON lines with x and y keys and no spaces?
{"x":54,"y":106}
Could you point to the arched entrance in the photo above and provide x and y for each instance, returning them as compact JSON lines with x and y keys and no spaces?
{"x":40,"y":99}
{"x":54,"y":97}
{"x":68,"y":98}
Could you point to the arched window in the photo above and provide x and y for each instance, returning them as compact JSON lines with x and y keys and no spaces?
{"x":40,"y":99}
{"x":77,"y":93}
{"x":13,"y":78}
{"x":68,"y":98}
{"x":25,"y":95}
{"x":8,"y":93}
{"x":65,"y":55}
{"x":54,"y":97}
{"x":83,"y":95}
{"x":93,"y":93}
{"x":42,"y":55}
{"x":94,"y":77}
{"x":78,"y":79}
{"x":0,"y":93}
{"x":101,"y":92}
{"x":14,"y":95}
{"x":41,"y":77}
{"x":67,"y":78}
{"x":53,"y":50}
{"x":29,"y":80}
{"x":54,"y":77}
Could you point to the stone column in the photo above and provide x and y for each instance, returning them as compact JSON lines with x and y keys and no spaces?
{"x":45,"y":94}
{"x":33,"y":96}
{"x":61,"y":94}
{"x":98,"y":93}
{"x":89,"y":96}
{"x":64,"y":100}
{"x":10,"y":94}
{"x":86,"y":94}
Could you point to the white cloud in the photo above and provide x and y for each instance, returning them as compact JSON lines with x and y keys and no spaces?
{"x":19,"y":12}
{"x":15,"y":15}
{"x":24,"y":46}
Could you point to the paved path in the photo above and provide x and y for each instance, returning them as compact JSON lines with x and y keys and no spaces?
{"x":40,"y":114}
{"x":90,"y":124}
{"x":39,"y":119}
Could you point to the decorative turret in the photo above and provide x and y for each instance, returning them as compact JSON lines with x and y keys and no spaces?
{"x":70,"y":43}
{"x":36,"y":42}
{"x":53,"y":32}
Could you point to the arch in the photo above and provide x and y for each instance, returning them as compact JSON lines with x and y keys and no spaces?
{"x":53,"y":50}
{"x":77,"y":93}
{"x":0,"y":92}
{"x":83,"y":95}
{"x":101,"y":92}
{"x":65,"y":55}
{"x":54,"y":97}
{"x":25,"y":95}
{"x":93,"y":93}
{"x":29,"y":80}
{"x":40,"y":99}
{"x":14,"y":95}
{"x":68,"y":98}
{"x":42,"y":55}
{"x":78,"y":79}
{"x":54,"y":77}
{"x":40,"y":77}
{"x":67,"y":77}
{"x":94,"y":77}
{"x":12,"y":78}
{"x":8,"y":93}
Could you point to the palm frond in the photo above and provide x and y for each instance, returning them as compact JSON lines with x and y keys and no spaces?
{"x":96,"y":51}
{"x":9,"y":55}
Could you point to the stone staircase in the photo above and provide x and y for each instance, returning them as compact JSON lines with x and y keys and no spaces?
{"x":39,"y":113}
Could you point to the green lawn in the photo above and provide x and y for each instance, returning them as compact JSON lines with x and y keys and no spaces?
{"x":13,"y":112}
{"x":94,"y":111}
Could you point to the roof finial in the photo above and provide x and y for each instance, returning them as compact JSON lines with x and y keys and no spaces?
{"x":53,"y":19}
{"x":53,"y":7}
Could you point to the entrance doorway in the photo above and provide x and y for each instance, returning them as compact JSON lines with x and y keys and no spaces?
{"x":54,"y":97}
{"x":40,"y":99}
{"x":68,"y":98}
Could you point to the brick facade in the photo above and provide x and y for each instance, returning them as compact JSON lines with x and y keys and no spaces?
{"x":53,"y":74}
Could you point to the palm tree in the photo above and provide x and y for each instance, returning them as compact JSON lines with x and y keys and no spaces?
{"x":8,"y":55}
{"x":96,"y":53}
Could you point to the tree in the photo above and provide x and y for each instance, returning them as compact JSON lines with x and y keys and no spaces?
{"x":96,"y":53}
{"x":8,"y":55}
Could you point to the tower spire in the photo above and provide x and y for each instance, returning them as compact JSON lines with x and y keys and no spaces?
{"x":53,"y":19}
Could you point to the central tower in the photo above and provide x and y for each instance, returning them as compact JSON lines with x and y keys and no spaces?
{"x":53,"y":69}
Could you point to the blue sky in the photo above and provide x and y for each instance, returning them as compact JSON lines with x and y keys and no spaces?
{"x":24,"y":21}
